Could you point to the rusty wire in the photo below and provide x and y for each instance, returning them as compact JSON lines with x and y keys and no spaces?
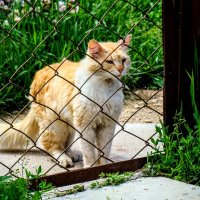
{"x":8,"y":34}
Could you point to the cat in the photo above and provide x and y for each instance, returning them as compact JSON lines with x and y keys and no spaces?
{"x":69,"y":97}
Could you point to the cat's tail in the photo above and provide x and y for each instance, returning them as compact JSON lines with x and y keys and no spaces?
{"x":19,"y":134}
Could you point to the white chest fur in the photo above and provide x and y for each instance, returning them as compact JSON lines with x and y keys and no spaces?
{"x":98,"y":94}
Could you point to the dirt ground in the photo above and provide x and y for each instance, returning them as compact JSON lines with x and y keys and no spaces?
{"x":141,"y":106}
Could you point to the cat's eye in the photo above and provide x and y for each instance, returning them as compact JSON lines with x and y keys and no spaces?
{"x":123,"y":60}
{"x":109,"y":61}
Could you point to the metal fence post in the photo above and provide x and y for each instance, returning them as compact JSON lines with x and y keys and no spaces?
{"x":181,"y":31}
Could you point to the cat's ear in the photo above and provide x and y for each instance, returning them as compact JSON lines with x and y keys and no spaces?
{"x":94,"y":48}
{"x":126,"y":42}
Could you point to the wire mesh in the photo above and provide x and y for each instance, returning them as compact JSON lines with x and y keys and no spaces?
{"x":24,"y":51}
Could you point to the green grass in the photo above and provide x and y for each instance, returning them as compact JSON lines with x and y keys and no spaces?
{"x":106,"y":179}
{"x":67,"y":30}
{"x":20,"y":188}
{"x":75,"y":189}
{"x":177,"y":153}
{"x":111,"y":179}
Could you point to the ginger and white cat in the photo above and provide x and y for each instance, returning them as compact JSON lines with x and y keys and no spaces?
{"x":69,"y":97}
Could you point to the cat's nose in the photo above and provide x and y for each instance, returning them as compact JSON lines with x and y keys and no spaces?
{"x":120,"y":68}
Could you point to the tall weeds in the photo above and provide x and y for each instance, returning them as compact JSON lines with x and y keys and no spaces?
{"x":25,"y":47}
{"x":177,"y":153}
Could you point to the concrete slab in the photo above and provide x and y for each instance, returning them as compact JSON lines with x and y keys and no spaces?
{"x":126,"y":145}
{"x":148,"y":188}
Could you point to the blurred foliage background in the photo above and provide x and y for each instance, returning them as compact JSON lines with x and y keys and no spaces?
{"x":37,"y":33}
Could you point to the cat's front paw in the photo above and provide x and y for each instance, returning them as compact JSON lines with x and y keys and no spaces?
{"x":62,"y":159}
{"x":75,"y":155}
{"x":66,"y":162}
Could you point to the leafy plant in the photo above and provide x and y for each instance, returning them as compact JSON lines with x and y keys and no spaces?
{"x":18,"y":189}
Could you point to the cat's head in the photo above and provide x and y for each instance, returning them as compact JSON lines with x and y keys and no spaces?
{"x":109,"y":57}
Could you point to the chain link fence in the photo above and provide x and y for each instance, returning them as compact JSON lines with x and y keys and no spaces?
{"x":37,"y":33}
